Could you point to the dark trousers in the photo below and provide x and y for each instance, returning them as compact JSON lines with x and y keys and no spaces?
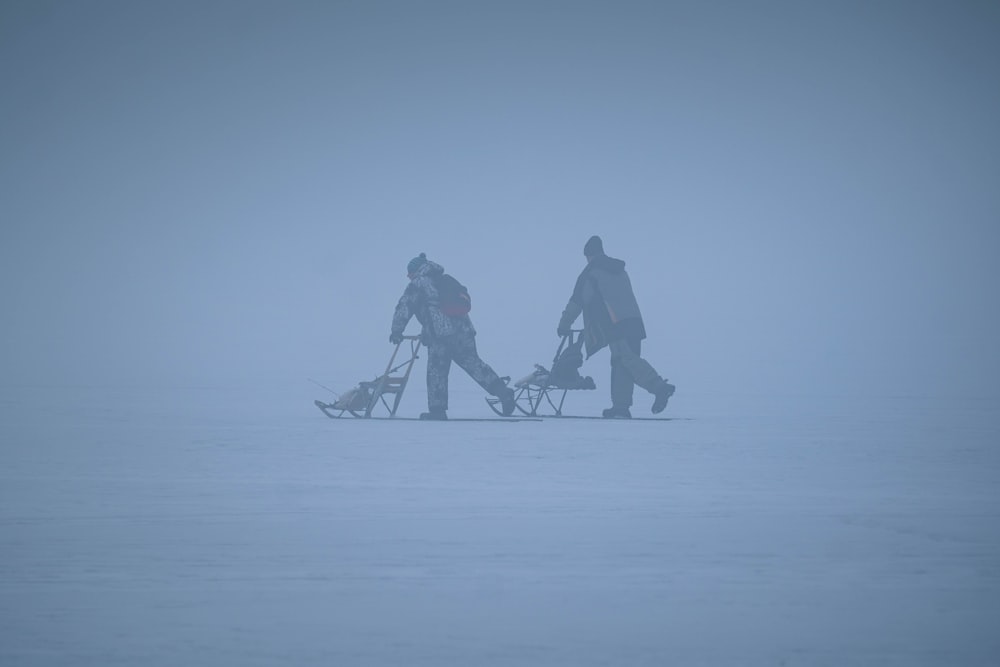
{"x":628,"y":369}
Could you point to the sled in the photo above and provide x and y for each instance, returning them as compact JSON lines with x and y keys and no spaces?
{"x":370,"y":398}
{"x":544,"y":386}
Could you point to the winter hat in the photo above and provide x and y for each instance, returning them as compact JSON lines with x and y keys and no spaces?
{"x":594,"y":247}
{"x":416,"y":263}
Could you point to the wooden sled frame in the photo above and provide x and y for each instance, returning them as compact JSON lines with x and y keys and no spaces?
{"x":368,"y":398}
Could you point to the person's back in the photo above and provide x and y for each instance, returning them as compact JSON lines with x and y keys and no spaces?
{"x":422,"y":300}
{"x":615,"y":290}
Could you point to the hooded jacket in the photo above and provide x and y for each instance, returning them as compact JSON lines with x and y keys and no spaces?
{"x":420,"y":299}
{"x":603,"y":293}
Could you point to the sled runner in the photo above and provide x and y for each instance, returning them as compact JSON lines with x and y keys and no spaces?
{"x":453,"y":420}
{"x":550,"y":386}
{"x":370,"y":397}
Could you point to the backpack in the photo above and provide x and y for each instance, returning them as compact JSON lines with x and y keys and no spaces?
{"x":567,"y":364}
{"x":454,"y":299}
{"x":566,"y":368}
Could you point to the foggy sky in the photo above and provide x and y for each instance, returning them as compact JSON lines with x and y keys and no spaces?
{"x":806,"y":194}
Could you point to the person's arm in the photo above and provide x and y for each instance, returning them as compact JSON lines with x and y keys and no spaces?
{"x":574,"y":307}
{"x":569,"y":315}
{"x":405,"y":309}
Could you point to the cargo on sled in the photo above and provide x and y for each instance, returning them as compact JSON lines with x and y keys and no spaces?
{"x":550,"y":386}
{"x":381,"y":396}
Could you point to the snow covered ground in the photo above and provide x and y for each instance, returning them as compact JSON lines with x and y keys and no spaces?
{"x":216,"y":526}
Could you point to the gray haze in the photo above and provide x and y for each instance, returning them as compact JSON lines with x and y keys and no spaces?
{"x":806,"y":194}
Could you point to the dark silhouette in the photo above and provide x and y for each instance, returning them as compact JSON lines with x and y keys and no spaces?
{"x":611,"y":317}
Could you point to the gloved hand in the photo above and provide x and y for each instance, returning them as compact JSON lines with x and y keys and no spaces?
{"x":563,"y":331}
{"x":396,"y":338}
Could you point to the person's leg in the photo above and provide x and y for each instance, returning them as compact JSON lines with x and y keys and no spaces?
{"x":637,"y":369}
{"x":641,"y":372}
{"x":617,"y":375}
{"x":621,"y":386}
{"x":438,"y":368}
{"x":623,"y":354}
{"x":467,"y":357}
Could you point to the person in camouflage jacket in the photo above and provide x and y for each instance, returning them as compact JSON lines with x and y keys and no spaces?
{"x":447,"y":338}
{"x":611,"y":317}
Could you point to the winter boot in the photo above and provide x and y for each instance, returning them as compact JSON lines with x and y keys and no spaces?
{"x":506,"y":395}
{"x":662,"y":394}
{"x":617,"y":412}
{"x":435,"y":414}
{"x":507,"y":401}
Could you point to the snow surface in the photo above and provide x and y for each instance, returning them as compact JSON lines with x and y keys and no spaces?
{"x":234,"y":526}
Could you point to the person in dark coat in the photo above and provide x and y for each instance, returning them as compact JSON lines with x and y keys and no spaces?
{"x":611,"y":317}
{"x":447,"y":337}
